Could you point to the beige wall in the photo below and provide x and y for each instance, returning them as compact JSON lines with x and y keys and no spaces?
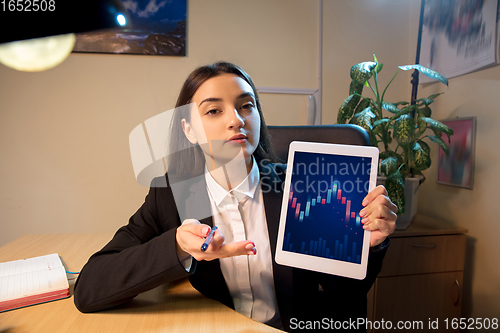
{"x":352,"y":32}
{"x":474,"y":94}
{"x":64,"y":132}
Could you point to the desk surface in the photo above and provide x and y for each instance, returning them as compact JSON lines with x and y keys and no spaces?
{"x":176,"y":308}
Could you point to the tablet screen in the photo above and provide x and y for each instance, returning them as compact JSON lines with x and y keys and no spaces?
{"x":326,"y":192}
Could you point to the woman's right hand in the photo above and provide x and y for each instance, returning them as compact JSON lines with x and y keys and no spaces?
{"x":191,"y":235}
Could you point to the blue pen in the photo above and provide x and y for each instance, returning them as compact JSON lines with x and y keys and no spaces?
{"x":208,"y":240}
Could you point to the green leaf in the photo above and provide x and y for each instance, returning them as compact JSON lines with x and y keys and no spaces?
{"x":437,"y":132}
{"x":380,"y":121}
{"x":395,"y":186}
{"x":439,"y":126}
{"x":420,"y":158}
{"x":347,"y":108}
{"x":377,"y":125}
{"x":424,"y":146}
{"x":433,"y":96}
{"x":391,"y":107}
{"x":427,"y":72}
{"x":422,"y":127}
{"x":362,"y":71}
{"x":379,"y":66}
{"x":404,"y":127}
{"x":365,"y":102}
{"x":389,"y":165}
{"x":428,"y":100}
{"x":355,"y":87}
{"x":405,"y":110}
{"x":441,"y":143}
{"x":364,"y":119}
{"x":401,"y":103}
{"x":425,"y":111}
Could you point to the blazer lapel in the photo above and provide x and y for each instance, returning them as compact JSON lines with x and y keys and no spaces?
{"x":192,"y":200}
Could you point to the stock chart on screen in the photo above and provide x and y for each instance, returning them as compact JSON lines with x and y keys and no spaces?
{"x":326,"y":192}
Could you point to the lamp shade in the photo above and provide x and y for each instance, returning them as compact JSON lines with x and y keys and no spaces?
{"x":40,"y":35}
{"x":19,"y":22}
{"x":37,"y":54}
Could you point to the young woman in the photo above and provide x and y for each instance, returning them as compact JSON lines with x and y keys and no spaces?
{"x":221,"y":162}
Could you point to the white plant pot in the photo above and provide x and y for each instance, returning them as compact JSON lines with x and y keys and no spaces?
{"x":411,"y":200}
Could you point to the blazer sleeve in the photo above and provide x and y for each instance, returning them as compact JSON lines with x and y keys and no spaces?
{"x":140,"y":257}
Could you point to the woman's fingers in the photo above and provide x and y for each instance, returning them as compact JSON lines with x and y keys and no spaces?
{"x":377,"y":203}
{"x":385,"y":226}
{"x":237,"y":249}
{"x":191,"y":235}
{"x":188,"y":235}
{"x":378,"y":196}
{"x":218,"y":249}
{"x":378,"y":215}
{"x":379,"y":190}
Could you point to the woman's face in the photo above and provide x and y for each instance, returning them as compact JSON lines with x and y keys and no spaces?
{"x":226,"y":118}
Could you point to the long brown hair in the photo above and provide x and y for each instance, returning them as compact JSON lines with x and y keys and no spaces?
{"x":188,"y":159}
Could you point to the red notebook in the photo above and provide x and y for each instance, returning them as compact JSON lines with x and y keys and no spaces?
{"x":32,"y":281}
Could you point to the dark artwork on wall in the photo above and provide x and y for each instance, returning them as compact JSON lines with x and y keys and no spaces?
{"x":158,"y":28}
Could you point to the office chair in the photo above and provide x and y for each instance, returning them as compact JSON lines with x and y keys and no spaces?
{"x":282,"y":136}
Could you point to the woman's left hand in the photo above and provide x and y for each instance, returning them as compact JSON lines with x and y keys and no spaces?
{"x":379,"y":215}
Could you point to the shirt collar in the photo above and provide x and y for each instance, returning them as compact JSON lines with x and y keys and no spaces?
{"x":245,"y":189}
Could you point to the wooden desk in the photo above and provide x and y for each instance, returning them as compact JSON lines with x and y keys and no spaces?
{"x":178,"y":308}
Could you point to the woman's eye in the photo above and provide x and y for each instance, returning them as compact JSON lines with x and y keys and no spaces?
{"x":212,"y":111}
{"x":247,"y":106}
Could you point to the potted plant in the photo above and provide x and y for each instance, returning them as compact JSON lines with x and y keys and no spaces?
{"x":406,"y":123}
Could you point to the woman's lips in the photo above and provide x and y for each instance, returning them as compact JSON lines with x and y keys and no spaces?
{"x":240,"y":138}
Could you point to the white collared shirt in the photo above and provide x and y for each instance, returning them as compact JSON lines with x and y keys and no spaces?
{"x":240,"y":215}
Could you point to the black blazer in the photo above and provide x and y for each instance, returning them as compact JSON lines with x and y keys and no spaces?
{"x":142,"y":256}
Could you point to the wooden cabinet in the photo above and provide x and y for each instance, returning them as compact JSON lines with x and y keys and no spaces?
{"x":421,"y":278}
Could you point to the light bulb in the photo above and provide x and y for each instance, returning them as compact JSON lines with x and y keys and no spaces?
{"x":37,"y":54}
{"x":121,"y":19}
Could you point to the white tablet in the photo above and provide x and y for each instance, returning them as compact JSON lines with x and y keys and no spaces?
{"x":320,"y":227}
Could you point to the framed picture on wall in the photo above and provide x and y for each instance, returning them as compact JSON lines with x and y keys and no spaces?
{"x":158,"y":27}
{"x":458,"y":37}
{"x":457,"y":168}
